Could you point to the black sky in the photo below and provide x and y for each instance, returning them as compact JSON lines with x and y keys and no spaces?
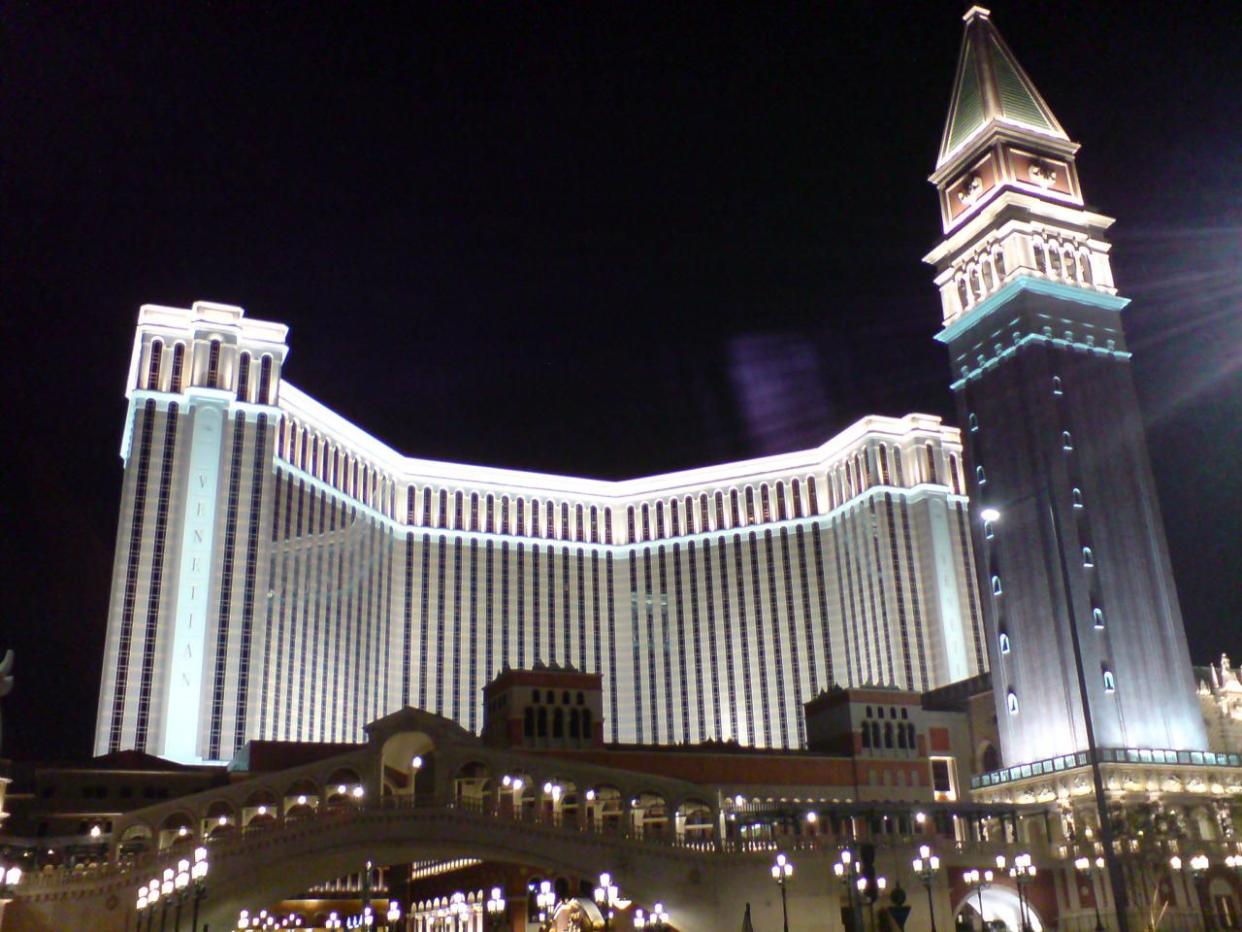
{"x":591,"y":238}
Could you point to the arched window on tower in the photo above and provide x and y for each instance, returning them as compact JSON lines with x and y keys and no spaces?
{"x":594,"y":523}
{"x":720,"y":511}
{"x":931,"y":463}
{"x":1056,"y":385}
{"x":962,"y":294}
{"x":1097,"y":618}
{"x":265,"y":379}
{"x":1088,"y":558}
{"x":521,"y":517}
{"x":954,"y":479}
{"x":705,"y":513}
{"x":765,"y":500}
{"x":750,"y":505}
{"x":1067,"y":441}
{"x":1084,"y":267}
{"x":1076,"y":497}
{"x":659,"y":520}
{"x":998,"y":259}
{"x":1054,"y":260}
{"x":996,"y":586}
{"x":987,"y":275}
{"x":178,"y":365}
{"x":981,"y":477}
{"x":646,"y":521}
{"x":689,"y":509}
{"x":782,"y":511}
{"x":579,"y":524}
{"x":153,"y":365}
{"x":1011,"y":702}
{"x":567,"y":532}
{"x":629,"y":525}
{"x":535,"y":529}
{"x":243,"y":377}
{"x":1110,"y":681}
{"x":812,"y":495}
{"x":504,"y":514}
{"x":443,"y":516}
{"x":735,"y":508}
{"x":549,"y":519}
{"x":884,"y":464}
{"x":1041,"y":264}
{"x":988,"y":531}
{"x":213,"y":365}
{"x":1004,"y":642}
{"x":797,"y":498}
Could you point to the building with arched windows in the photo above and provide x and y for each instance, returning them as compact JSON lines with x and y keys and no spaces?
{"x":281,"y":574}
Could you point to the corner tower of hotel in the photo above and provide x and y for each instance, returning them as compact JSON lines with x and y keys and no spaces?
{"x":1085,"y":637}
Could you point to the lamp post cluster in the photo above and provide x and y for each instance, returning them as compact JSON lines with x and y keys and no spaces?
{"x":848,"y":870}
{"x":657,"y":919}
{"x":980,"y":881}
{"x":266,"y":920}
{"x":174,"y":887}
{"x":10,"y":877}
{"x":1085,"y":866}
{"x":496,"y":909}
{"x":782,"y":870}
{"x":1023,"y":873}
{"x":545,"y":901}
{"x":1199,"y":865}
{"x":925,"y":867}
{"x":607,"y":898}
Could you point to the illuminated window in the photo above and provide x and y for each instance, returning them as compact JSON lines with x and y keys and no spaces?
{"x":580,"y":525}
{"x":1076,"y":496}
{"x":608,"y":533}
{"x":812,"y":494}
{"x":243,"y":378}
{"x":931,"y":462}
{"x":797,"y":499}
{"x":566,"y":531}
{"x":504,"y":514}
{"x":998,"y":258}
{"x":629,"y":523}
{"x":987,"y":276}
{"x":213,"y":364}
{"x":1097,"y":617}
{"x":782,"y":510}
{"x":689,"y":506}
{"x":521,"y":517}
{"x":646,"y":521}
{"x":1069,"y":265}
{"x":980,"y":476}
{"x":1040,"y":263}
{"x":996,"y":585}
{"x":953,"y":475}
{"x":1084,"y":267}
{"x":1110,"y":682}
{"x":750,"y":505}
{"x":659,"y":519}
{"x":1011,"y":702}
{"x":1067,"y":441}
{"x":594,"y":524}
{"x":1054,"y":260}
{"x":153,"y":368}
{"x":988,"y":531}
{"x":766,"y":503}
{"x":962,"y":295}
{"x":1004,"y":643}
{"x":735,"y":508}
{"x":426,"y":522}
{"x":1088,"y":558}
{"x":549,"y":519}
{"x":720,"y":512}
{"x":705,"y":513}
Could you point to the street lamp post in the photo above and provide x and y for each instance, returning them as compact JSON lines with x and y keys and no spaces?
{"x":167,"y":885}
{"x":1023,"y":872}
{"x":980,"y":881}
{"x":925,"y":867}
{"x":1199,"y":865}
{"x":845,"y":871}
{"x":871,"y":892}
{"x":1084,"y":866}
{"x":782,"y":870}
{"x":496,"y":910}
{"x":198,"y":874}
{"x":545,"y":899}
{"x":394,"y":914}
{"x":607,"y":896}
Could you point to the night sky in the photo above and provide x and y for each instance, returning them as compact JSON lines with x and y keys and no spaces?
{"x":600,"y":238}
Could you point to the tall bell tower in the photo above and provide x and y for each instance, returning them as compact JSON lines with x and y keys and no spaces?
{"x":1086,"y":642}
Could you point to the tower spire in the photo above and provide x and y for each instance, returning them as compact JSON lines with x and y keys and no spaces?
{"x":992,"y":90}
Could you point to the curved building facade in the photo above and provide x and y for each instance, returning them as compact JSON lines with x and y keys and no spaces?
{"x":281,"y":574}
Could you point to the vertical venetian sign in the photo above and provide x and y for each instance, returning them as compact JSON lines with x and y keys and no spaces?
{"x":185,"y":683}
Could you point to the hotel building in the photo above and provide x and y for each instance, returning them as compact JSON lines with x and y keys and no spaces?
{"x":281,"y":574}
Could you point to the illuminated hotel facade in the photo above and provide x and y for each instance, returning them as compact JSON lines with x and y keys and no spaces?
{"x":281,"y":574}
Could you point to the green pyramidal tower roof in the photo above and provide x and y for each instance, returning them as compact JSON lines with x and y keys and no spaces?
{"x":991,"y":87}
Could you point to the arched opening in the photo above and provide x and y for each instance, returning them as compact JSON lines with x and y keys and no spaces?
{"x":260,"y":809}
{"x":407,"y":765}
{"x":340,"y":786}
{"x":1002,"y":911}
{"x":135,"y":840}
{"x":559,"y":801}
{"x":649,"y":812}
{"x":695,"y":823}
{"x":301,"y":799}
{"x":471,"y":785}
{"x":177,"y":830}
{"x":220,"y":820}
{"x":603,"y":808}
